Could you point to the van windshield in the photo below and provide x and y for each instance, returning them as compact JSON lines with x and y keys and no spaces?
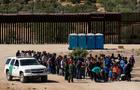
{"x":26,"y":62}
{"x":7,"y":62}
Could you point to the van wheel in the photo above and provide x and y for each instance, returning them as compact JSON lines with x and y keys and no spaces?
{"x":44,"y":78}
{"x":22,"y":78}
{"x":8,"y":76}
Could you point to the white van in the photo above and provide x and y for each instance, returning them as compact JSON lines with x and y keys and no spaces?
{"x":25,"y":68}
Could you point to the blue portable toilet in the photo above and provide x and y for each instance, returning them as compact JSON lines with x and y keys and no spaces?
{"x":90,"y":41}
{"x":99,"y":41}
{"x":82,"y":41}
{"x":73,"y":41}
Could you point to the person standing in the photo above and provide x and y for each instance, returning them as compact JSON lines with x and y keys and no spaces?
{"x":115,"y":72}
{"x":90,"y":67}
{"x":62,"y":66}
{"x":44,"y":59}
{"x":71,"y":71}
{"x":87,"y":69}
{"x":57,"y":64}
{"x":53,"y":59}
{"x":18,"y":53}
{"x":83,"y":67}
{"x":78,"y":69}
{"x":108,"y":62}
{"x":66,"y":69}
{"x":110,"y":74}
{"x":49,"y":63}
{"x":106,"y":72}
{"x":122,"y":65}
{"x":132,"y":60}
{"x":127,"y":71}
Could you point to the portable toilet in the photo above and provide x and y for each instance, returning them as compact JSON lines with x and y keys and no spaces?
{"x":73,"y":41}
{"x":82,"y":41}
{"x":90,"y":41}
{"x":99,"y":41}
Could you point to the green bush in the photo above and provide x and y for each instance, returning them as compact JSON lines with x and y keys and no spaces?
{"x":78,"y":53}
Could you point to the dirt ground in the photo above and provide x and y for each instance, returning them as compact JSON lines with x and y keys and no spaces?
{"x":56,"y":82}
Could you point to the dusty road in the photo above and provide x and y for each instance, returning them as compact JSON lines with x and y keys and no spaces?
{"x":57,"y":82}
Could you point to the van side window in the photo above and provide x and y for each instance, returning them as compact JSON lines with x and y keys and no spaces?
{"x":12,"y":62}
{"x":16,"y":63}
{"x":8,"y":60}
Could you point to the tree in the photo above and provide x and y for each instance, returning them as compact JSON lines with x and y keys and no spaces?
{"x":14,"y":7}
{"x":118,"y":5}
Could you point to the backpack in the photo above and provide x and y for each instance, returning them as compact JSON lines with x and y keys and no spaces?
{"x":62,"y":63}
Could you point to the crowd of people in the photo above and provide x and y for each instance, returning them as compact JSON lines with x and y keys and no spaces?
{"x":99,"y":68}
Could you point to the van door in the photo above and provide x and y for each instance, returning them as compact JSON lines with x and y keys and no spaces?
{"x":11,"y":67}
{"x":16,"y":68}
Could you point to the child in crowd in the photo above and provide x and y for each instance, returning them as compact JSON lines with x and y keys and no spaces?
{"x":115,"y":72}
{"x":110,"y":75}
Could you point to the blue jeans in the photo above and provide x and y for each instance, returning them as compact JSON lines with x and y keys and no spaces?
{"x":78,"y":73}
{"x":49,"y":69}
{"x":57,"y":69}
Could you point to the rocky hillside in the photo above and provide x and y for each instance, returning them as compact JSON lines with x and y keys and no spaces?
{"x":68,"y":6}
